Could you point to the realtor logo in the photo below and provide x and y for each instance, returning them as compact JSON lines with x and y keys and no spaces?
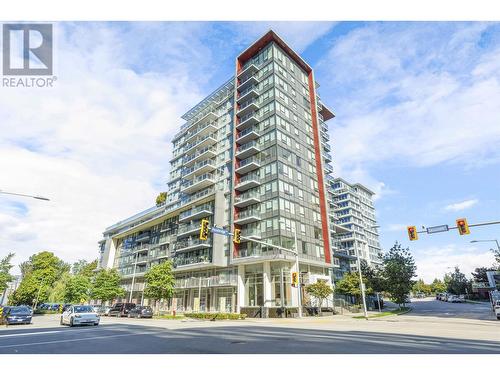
{"x":27,"y":49}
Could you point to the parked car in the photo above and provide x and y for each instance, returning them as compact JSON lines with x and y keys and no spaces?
{"x":17,"y":314}
{"x":445,"y":297}
{"x":141,"y":312}
{"x":96,"y":308}
{"x":121,"y":309}
{"x":497,"y":309}
{"x":79,"y":314}
{"x":103,"y":310}
{"x":452,"y":298}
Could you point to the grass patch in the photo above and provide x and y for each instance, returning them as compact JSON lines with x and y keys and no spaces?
{"x":216,"y":316}
{"x":400,"y":311}
{"x":169,"y":317}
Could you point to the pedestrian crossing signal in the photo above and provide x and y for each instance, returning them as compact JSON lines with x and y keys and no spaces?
{"x":412,"y":233}
{"x":204,"y":229}
{"x":237,"y":236}
{"x":463,"y":227}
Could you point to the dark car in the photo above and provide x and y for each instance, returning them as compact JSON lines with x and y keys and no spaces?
{"x":141,"y":312}
{"x":121,"y":309}
{"x":17,"y":314}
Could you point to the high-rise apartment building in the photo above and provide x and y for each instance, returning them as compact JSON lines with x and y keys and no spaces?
{"x":253,"y":155}
{"x":356,"y":234}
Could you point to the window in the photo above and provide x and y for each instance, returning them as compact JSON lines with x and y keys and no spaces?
{"x":302,"y":229}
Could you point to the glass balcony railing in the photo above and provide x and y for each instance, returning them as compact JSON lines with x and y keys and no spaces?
{"x":196,"y":242}
{"x":193,"y":211}
{"x":203,"y":177}
{"x":247,"y":195}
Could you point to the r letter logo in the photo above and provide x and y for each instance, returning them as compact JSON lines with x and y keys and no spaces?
{"x":27,"y":49}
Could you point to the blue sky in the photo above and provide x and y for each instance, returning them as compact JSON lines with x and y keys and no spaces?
{"x":418,"y":122}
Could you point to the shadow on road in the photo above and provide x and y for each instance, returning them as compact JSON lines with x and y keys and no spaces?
{"x":133,"y":339}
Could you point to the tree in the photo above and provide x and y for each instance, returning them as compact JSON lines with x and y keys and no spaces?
{"x":319,"y":290}
{"x":58,"y":290}
{"x":456,"y":282}
{"x":399,"y":269}
{"x":106,"y":285}
{"x":82,"y":267}
{"x":5,"y":276}
{"x":40,"y":273}
{"x":479,"y":274}
{"x":372,"y":277}
{"x":349,"y":285}
{"x":161,"y":198}
{"x":160,"y":281}
{"x":421,"y":287}
{"x":438,"y":286}
{"x":78,"y":289}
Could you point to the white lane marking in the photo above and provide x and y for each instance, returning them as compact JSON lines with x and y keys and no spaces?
{"x":29,"y":333}
{"x":71,"y":340}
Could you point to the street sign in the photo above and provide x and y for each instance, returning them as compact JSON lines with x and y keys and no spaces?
{"x":438,"y":229}
{"x":220,"y":231}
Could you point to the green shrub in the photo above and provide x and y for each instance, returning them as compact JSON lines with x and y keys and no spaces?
{"x":216,"y":316}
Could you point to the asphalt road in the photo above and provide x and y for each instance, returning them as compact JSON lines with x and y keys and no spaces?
{"x":430,"y":328}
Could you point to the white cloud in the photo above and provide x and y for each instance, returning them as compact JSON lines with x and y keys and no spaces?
{"x":419,"y":95}
{"x":435,"y":261}
{"x":298,"y":34}
{"x":460,"y":206}
{"x":396,"y":228}
{"x":98,"y":143}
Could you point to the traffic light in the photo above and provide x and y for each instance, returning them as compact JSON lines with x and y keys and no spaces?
{"x":463,"y":227}
{"x":204,"y":229}
{"x":412,"y":233}
{"x":237,"y":235}
{"x":295,"y":279}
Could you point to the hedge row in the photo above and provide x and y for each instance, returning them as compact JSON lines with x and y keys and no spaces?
{"x":216,"y":316}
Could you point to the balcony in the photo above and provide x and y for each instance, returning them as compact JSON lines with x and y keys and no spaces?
{"x":247,"y":182}
{"x":249,"y":93}
{"x":251,"y":81}
{"x":248,"y":149}
{"x":247,"y":121}
{"x":250,"y":233}
{"x":191,"y":244}
{"x":202,"y":154}
{"x":198,"y":183}
{"x":247,"y":199}
{"x":187,"y":230}
{"x":210,"y":116}
{"x":247,"y":216}
{"x":196,"y":213}
{"x":205,"y":282}
{"x":201,"y":131}
{"x":199,"y":195}
{"x":248,"y":135}
{"x":327,"y":156}
{"x":207,"y":165}
{"x":247,"y":107}
{"x":200,"y":142}
{"x":144,"y":237}
{"x":247,"y":165}
{"x":250,"y":69}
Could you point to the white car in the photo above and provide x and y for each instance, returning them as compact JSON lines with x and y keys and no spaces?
{"x":497,"y":309}
{"x":80,"y":314}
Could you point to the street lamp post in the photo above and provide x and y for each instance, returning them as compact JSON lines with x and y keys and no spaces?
{"x":133,"y":278}
{"x":495,"y":240}
{"x":362,"y":287}
{"x":299,"y":285}
{"x":25,"y":195}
